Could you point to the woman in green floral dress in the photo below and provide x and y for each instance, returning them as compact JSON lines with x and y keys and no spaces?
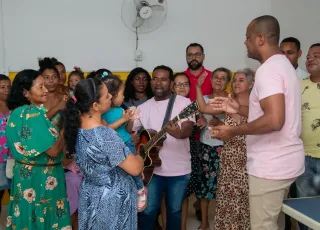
{"x":38,"y":193}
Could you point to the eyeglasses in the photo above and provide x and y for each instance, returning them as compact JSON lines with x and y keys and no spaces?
{"x":181,"y":84}
{"x":191,"y":55}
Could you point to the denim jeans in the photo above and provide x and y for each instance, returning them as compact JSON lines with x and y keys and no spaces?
{"x":175,"y":189}
{"x":136,"y":179}
{"x":304,"y":184}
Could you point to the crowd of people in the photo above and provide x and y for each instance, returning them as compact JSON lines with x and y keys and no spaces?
{"x":77,"y":167}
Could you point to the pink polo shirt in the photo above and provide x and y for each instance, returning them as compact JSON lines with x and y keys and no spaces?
{"x":276,"y":155}
{"x":175,"y":153}
{"x":206,"y":86}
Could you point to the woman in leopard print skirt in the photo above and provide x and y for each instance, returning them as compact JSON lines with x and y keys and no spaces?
{"x":232,"y":202}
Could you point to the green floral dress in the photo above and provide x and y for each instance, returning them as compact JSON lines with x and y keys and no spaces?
{"x":55,"y":119}
{"x":38,"y":193}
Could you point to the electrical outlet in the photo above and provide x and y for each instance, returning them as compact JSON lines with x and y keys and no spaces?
{"x":138,"y":55}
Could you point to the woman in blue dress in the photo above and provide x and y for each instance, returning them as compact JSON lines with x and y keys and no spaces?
{"x":108,"y":194}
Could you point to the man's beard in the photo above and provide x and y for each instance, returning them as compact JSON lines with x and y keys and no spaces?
{"x":195,"y":65}
{"x":160,"y":93}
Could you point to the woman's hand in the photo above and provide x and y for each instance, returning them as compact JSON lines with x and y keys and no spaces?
{"x":202,"y":122}
{"x":215,"y":122}
{"x":201,"y":79}
{"x":225,"y":104}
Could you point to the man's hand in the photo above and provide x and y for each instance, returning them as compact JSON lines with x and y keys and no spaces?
{"x":222,"y":132}
{"x":225,"y":104}
{"x":174,"y":130}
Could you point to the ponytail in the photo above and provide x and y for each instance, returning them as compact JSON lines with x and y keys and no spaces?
{"x":85,"y":94}
{"x":71,"y":124}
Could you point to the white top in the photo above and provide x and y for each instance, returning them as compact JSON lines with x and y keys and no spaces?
{"x":301,"y":73}
{"x":205,"y":135}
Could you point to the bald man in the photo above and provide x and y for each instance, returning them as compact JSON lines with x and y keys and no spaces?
{"x":275,"y":154}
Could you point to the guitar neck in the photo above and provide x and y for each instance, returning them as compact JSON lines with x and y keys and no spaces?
{"x":158,"y":136}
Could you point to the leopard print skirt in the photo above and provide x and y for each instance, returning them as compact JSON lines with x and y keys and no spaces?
{"x":232,"y":201}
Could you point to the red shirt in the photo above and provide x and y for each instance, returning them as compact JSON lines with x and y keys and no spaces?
{"x":206,"y":86}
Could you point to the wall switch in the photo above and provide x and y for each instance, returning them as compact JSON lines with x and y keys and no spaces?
{"x":138,"y":55}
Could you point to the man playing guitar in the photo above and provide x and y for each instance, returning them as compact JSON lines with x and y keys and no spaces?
{"x":173,"y":176}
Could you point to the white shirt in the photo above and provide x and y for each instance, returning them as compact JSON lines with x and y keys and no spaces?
{"x":205,"y":136}
{"x":301,"y":73}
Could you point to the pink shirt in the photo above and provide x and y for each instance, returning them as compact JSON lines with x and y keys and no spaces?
{"x":175,"y":153}
{"x":276,"y":155}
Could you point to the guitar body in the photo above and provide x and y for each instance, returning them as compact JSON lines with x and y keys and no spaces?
{"x":151,"y":156}
{"x":151,"y":142}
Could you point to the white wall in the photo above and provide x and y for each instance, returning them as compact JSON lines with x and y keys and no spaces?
{"x":91,"y":34}
{"x":300,"y":19}
{"x":2,"y":44}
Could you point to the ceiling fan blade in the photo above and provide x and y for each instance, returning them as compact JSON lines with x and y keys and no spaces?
{"x":157,"y":8}
{"x":139,"y":21}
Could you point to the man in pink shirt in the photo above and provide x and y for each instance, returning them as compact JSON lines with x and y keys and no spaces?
{"x":195,"y":57}
{"x":174,"y":174}
{"x":275,"y":153}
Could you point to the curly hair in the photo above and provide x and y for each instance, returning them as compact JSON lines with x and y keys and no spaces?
{"x":56,"y":62}
{"x":129,"y":91}
{"x":24,"y":80}
{"x":86,"y":93}
{"x":249,"y":73}
{"x":48,"y":63}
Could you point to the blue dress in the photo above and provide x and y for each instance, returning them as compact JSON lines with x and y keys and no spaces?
{"x":108,"y":195}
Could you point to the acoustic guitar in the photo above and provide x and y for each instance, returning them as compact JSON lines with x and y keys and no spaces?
{"x":151,"y":142}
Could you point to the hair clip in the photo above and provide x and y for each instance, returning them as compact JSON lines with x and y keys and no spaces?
{"x":74,"y":99}
{"x":76,"y":67}
{"x":105,"y":74}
